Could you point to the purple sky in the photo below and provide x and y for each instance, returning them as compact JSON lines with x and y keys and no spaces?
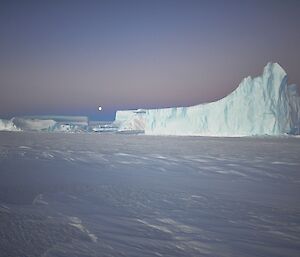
{"x":69,"y":57}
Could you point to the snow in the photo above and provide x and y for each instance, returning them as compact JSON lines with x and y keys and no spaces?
{"x":77,"y":223}
{"x":128,"y":195}
{"x":265,"y":105}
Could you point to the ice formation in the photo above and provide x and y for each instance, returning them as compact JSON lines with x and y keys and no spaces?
{"x":33,"y":124}
{"x":7,"y":125}
{"x":265,"y":105}
{"x":103,"y":126}
{"x":46,"y":123}
{"x":131,"y":120}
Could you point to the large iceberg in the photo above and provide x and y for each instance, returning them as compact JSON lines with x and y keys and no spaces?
{"x":265,"y":105}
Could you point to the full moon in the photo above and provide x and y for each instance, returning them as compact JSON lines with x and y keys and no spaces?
{"x":100,"y":108}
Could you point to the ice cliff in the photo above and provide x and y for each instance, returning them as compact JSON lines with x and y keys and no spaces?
{"x":130,"y":120}
{"x":265,"y":105}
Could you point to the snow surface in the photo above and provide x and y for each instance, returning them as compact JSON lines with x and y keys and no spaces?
{"x":265,"y":105}
{"x":140,"y":196}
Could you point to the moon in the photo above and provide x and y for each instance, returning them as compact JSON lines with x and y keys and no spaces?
{"x":99,"y":108}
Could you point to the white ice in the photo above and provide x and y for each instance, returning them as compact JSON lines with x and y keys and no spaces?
{"x":265,"y":105}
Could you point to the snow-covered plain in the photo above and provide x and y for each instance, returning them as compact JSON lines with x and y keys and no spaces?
{"x":127,"y":195}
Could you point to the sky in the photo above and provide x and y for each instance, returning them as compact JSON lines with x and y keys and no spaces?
{"x":68,"y":57}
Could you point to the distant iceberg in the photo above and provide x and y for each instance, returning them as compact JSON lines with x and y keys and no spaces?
{"x":48,"y":123}
{"x":7,"y":125}
{"x":33,"y":124}
{"x":265,"y":105}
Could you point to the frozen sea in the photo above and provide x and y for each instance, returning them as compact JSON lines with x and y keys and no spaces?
{"x":69,"y":195}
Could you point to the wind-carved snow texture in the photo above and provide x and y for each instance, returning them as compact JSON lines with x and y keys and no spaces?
{"x":259,"y":106}
{"x":126,"y":195}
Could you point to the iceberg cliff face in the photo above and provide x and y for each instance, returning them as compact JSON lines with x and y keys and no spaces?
{"x":130,"y":120}
{"x":265,"y":105}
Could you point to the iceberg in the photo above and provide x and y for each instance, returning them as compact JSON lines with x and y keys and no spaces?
{"x":265,"y":105}
{"x":48,"y":123}
{"x":130,"y":120}
{"x":293,"y":92}
{"x":33,"y":124}
{"x":8,"y":125}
